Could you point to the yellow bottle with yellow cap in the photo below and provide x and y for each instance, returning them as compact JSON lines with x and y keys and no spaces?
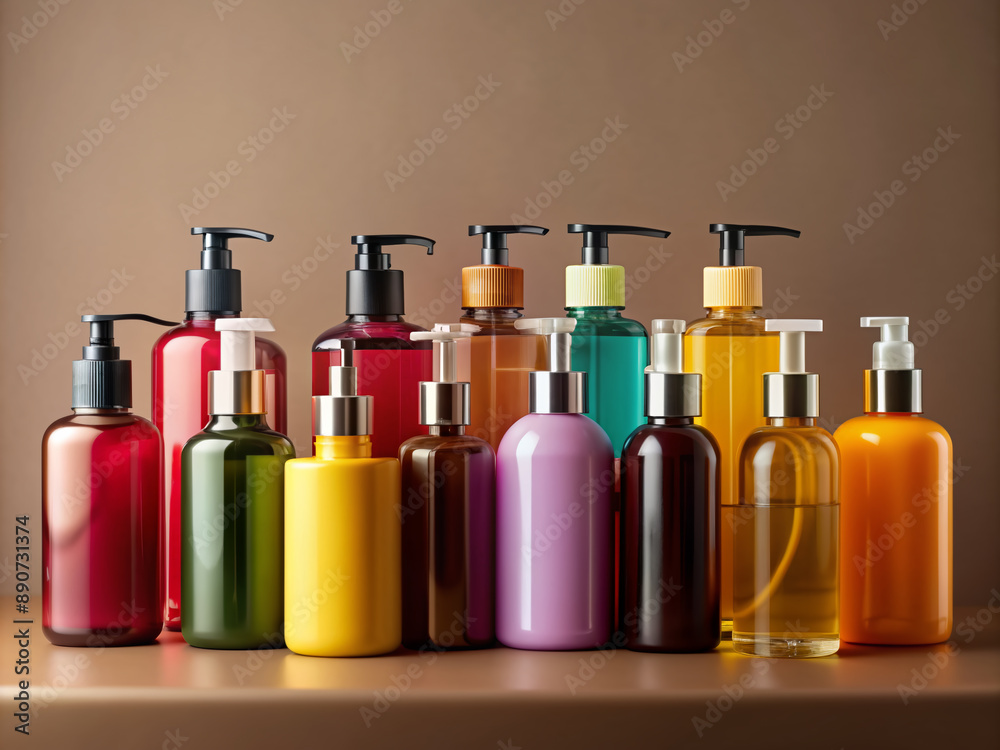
{"x":612,"y":349}
{"x":731,"y":351}
{"x":497,"y":358}
{"x":343,"y":574}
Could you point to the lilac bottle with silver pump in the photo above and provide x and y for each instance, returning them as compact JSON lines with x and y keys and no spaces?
{"x":555,"y":478}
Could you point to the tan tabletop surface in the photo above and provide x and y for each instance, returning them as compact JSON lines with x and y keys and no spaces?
{"x":172,"y":696}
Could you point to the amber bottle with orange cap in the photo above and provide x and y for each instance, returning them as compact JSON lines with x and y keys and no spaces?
{"x":497,"y":358}
{"x":731,"y":351}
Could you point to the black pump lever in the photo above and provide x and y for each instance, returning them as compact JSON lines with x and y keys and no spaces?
{"x":370,"y":256}
{"x":495,"y":239}
{"x":731,"y":239}
{"x":102,"y":333}
{"x":595,"y":239}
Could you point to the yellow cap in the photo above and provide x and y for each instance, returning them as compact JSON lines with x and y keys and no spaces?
{"x":591,"y":285}
{"x":733,"y":286}
{"x":493,"y":286}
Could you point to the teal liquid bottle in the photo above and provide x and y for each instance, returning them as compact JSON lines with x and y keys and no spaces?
{"x":232,"y":507}
{"x":612,"y":349}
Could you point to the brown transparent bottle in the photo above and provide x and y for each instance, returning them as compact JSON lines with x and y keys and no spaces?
{"x":448,"y":515}
{"x":670,"y":513}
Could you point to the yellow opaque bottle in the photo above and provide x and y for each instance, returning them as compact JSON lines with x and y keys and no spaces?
{"x":342,"y":534}
{"x":896,"y":540}
{"x":731,"y":351}
{"x":786,"y":533}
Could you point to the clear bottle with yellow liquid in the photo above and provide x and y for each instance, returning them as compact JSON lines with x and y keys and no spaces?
{"x":498,"y":357}
{"x":731,"y":351}
{"x":785,"y":539}
{"x":342,"y":533}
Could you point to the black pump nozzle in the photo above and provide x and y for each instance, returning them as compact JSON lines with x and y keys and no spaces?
{"x":374,"y":287}
{"x":595,"y":239}
{"x":495,"y":239}
{"x":101,"y":380}
{"x":215,"y":287}
{"x":370,"y":256}
{"x":731,"y":239}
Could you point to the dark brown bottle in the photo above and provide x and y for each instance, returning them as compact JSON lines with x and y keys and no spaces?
{"x":448,"y":514}
{"x":670,"y":553}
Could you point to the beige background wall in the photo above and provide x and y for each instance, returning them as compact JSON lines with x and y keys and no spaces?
{"x":68,"y":231}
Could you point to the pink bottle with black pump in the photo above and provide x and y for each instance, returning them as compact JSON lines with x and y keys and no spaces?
{"x":182,"y":359}
{"x":102,"y":484}
{"x":389,"y":366}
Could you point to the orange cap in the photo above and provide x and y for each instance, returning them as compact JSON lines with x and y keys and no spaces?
{"x":493,"y":286}
{"x":494,"y":283}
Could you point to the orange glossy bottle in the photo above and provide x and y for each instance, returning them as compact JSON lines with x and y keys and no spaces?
{"x":497,"y":358}
{"x":896,"y":513}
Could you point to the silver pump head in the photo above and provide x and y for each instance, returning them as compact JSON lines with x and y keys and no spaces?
{"x":670,"y":392}
{"x":237,"y":387}
{"x":343,"y":412}
{"x":792,"y":392}
{"x":892,"y":385}
{"x":557,"y":390}
{"x":444,"y":400}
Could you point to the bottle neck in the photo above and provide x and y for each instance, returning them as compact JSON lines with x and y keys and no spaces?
{"x":492,"y":314}
{"x":450,"y":430}
{"x":671,"y":421}
{"x":236,"y":421}
{"x":733,"y":313}
{"x":207,"y":319}
{"x":82,"y":411}
{"x":791,"y":421}
{"x":359,"y":318}
{"x":892,"y":413}
{"x":329,"y":447}
{"x":609,"y":313}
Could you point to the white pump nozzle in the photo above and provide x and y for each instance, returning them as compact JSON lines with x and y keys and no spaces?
{"x":792,"y":356}
{"x":238,"y":346}
{"x":444,"y":337}
{"x":559,"y":329}
{"x":894,"y":351}
{"x":667,"y":346}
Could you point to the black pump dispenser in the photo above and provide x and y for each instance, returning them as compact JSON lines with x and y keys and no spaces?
{"x":731,"y":239}
{"x":374,"y":287}
{"x":101,"y":380}
{"x":495,"y":239}
{"x":595,"y":239}
{"x":215,"y":287}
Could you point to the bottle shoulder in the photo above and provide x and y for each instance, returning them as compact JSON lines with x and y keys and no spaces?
{"x":657,"y":438}
{"x":187,"y":335}
{"x":744,"y":325}
{"x":246,"y":436}
{"x":394,"y":335}
{"x":446,"y":444}
{"x":897,"y":429}
{"x":812,"y":440}
{"x":315,"y":463}
{"x":563,"y":433}
{"x":594,"y":324}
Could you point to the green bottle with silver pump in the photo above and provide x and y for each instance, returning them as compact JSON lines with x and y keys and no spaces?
{"x":232,"y":506}
{"x":612,"y":349}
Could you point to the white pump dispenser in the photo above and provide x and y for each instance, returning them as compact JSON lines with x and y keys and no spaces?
{"x":892,"y":385}
{"x":894,"y":351}
{"x":792,"y":392}
{"x":237,"y":387}
{"x":670,"y":392}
